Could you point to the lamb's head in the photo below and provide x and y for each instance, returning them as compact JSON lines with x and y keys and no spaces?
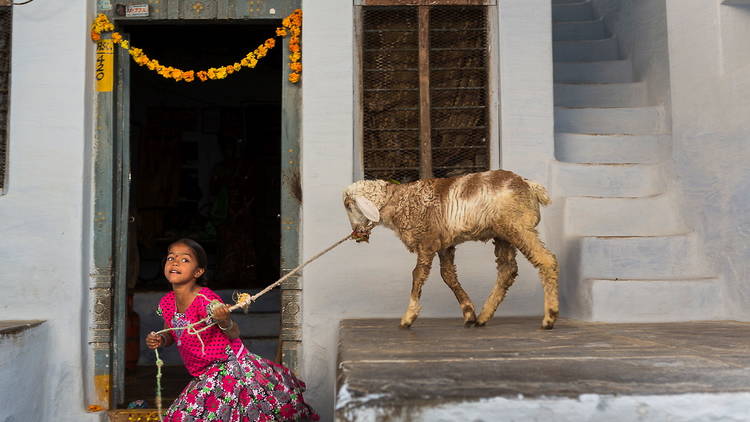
{"x":362,"y":201}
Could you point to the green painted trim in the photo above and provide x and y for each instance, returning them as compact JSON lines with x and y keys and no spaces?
{"x":291,"y":194}
{"x":122,"y":213}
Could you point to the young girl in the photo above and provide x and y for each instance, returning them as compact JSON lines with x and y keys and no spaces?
{"x":230,"y":384}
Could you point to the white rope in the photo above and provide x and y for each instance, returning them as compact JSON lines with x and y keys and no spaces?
{"x":243,"y":301}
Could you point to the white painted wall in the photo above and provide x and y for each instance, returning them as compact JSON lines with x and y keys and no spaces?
{"x":23,"y":369}
{"x":42,"y":211}
{"x":374,"y":280}
{"x":710,"y":95}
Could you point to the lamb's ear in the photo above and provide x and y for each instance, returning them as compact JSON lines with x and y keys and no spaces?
{"x":368,"y":208}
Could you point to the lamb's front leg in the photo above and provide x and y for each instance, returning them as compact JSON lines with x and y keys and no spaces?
{"x":419,"y":276}
{"x":448,"y":272}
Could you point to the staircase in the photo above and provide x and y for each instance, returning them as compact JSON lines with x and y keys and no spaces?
{"x":636,"y":259}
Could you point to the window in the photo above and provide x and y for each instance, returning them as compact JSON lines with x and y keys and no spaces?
{"x":424,"y":90}
{"x":5,"y":31}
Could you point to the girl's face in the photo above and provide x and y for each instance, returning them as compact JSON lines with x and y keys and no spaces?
{"x":181,"y":265}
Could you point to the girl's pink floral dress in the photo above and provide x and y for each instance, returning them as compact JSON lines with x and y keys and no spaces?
{"x":231,"y":384}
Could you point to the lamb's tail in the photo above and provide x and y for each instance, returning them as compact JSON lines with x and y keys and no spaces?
{"x":540,"y":193}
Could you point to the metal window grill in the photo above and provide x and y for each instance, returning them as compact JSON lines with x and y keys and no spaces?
{"x":5,"y":32}
{"x":391,"y":91}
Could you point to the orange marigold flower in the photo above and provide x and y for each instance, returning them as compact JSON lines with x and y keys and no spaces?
{"x":237,"y":67}
{"x":244,"y":62}
{"x":188,"y":76}
{"x":152,"y":64}
{"x":229,"y":69}
{"x":296,"y":19}
{"x":221,"y":73}
{"x":141,"y":60}
{"x":202,"y":75}
{"x":280,"y":32}
{"x":286,"y":22}
{"x":125,"y":44}
{"x":95,"y":36}
{"x":177,"y":74}
{"x":294,"y":48}
{"x":270,"y":43}
{"x":295,"y":31}
{"x":211,"y":73}
{"x":252,"y":63}
{"x":116,"y":37}
{"x":294,"y":77}
{"x":294,"y":40}
{"x":296,"y":66}
{"x":294,"y":57}
{"x":135,"y":52}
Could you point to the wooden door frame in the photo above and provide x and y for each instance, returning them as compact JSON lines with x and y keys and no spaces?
{"x":109,"y":191}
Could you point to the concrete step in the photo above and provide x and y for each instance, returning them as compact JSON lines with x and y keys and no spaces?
{"x":609,"y":71}
{"x":614,"y":120}
{"x":603,"y":216}
{"x":581,"y":30}
{"x":611,"y":149}
{"x":572,"y":11}
{"x":628,"y":94}
{"x":263,"y":347}
{"x":642,"y":257}
{"x":585,"y":50}
{"x":610,"y":180}
{"x":258,"y":324}
{"x":654,"y":300}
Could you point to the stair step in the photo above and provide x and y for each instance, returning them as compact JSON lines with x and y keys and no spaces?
{"x":610,"y":149}
{"x":567,"y":1}
{"x":608,"y":71}
{"x":572,"y":11}
{"x":263,"y":347}
{"x":581,"y":30}
{"x":628,"y":94}
{"x":601,"y":216}
{"x":258,"y":324}
{"x":611,"y":180}
{"x":642,"y":257}
{"x":654,"y":300}
{"x":613,"y":120}
{"x":586,"y":50}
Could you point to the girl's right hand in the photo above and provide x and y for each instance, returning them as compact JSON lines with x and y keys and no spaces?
{"x":154,"y":340}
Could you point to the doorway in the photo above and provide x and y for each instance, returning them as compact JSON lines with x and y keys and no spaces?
{"x":205,"y":161}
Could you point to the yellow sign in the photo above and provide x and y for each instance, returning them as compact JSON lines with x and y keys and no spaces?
{"x":104,"y":65}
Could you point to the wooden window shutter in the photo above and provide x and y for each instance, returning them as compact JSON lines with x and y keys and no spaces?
{"x":5,"y":33}
{"x":424,"y":91}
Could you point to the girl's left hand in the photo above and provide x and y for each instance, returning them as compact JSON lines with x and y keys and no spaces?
{"x":221,"y":313}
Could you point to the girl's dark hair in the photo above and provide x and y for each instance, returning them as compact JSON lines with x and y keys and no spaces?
{"x":200,"y":255}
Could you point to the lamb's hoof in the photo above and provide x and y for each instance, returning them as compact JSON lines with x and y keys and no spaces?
{"x":470,"y":320}
{"x":404,"y":326}
{"x":548,"y":325}
{"x":480,"y":323}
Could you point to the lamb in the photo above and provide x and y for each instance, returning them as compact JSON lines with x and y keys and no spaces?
{"x":432,"y":216}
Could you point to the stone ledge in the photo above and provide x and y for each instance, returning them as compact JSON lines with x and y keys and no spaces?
{"x":16,"y":326}
{"x":439,"y":370}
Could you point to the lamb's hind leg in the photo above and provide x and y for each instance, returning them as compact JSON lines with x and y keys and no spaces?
{"x":533,"y":248}
{"x":507,"y":270}
{"x":448,"y":272}
{"x":419,"y":275}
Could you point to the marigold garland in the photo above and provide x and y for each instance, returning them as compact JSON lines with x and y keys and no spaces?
{"x":291,"y":26}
